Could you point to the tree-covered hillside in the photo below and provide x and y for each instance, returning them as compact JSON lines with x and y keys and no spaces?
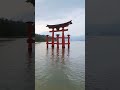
{"x":40,"y":38}
{"x":9,"y":28}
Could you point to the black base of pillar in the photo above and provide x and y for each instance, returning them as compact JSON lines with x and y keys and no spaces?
{"x":63,"y":47}
{"x":52,"y":46}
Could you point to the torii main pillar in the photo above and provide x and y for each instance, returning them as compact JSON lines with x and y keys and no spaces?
{"x":52,"y":37}
{"x":30,"y":38}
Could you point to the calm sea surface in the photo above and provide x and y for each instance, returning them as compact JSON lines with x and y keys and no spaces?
{"x":60,"y":69}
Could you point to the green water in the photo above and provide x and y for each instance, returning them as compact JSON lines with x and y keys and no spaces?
{"x":60,"y":69}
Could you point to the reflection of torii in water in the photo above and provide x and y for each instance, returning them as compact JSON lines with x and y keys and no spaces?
{"x":56,"y":54}
{"x":57,"y":27}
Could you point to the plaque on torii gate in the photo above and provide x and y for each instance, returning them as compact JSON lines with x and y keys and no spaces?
{"x":57,"y":27}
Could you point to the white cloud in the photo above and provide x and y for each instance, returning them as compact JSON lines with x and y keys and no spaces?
{"x":40,"y":27}
{"x":76,"y":29}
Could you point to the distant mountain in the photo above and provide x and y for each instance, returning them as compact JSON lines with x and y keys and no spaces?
{"x":41,"y":38}
{"x":103,"y":30}
{"x":72,"y":38}
{"x":13,"y":29}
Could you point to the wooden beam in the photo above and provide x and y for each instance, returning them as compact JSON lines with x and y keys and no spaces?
{"x":60,"y":25}
{"x":59,"y":43}
{"x":59,"y":30}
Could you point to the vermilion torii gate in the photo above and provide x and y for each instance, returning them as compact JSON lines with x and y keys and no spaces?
{"x":30,"y":39}
{"x":57,"y":27}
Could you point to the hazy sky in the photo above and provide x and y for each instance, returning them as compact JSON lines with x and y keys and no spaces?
{"x":60,"y":11}
{"x":102,"y":11}
{"x":16,"y":10}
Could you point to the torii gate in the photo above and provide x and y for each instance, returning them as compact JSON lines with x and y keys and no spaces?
{"x":57,"y":27}
{"x":30,"y":39}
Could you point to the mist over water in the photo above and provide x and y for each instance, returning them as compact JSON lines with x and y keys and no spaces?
{"x":60,"y":69}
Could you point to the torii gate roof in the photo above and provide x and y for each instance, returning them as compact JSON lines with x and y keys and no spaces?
{"x":60,"y":25}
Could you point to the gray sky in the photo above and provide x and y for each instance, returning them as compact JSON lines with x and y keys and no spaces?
{"x":16,"y":10}
{"x":102,"y":17}
{"x":60,"y":11}
{"x":103,"y":11}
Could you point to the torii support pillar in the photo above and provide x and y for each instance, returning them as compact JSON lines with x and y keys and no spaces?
{"x":68,"y":41}
{"x":63,"y":38}
{"x":57,"y":40}
{"x":52,"y":37}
